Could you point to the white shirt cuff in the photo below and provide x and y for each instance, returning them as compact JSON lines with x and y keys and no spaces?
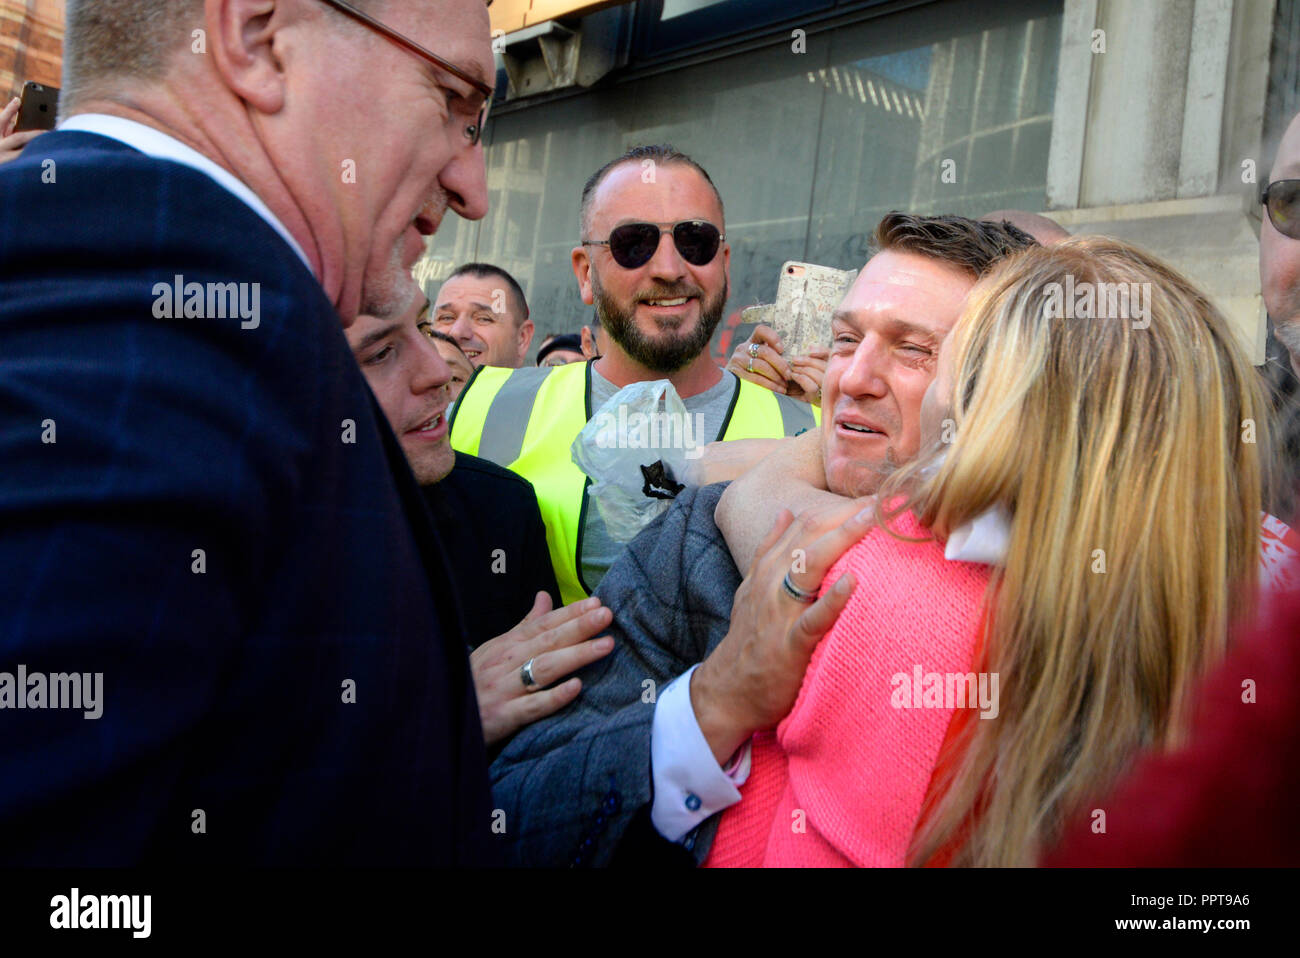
{"x":689,"y":785}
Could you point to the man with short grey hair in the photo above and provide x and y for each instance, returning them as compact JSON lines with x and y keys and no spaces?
{"x":201,"y":498}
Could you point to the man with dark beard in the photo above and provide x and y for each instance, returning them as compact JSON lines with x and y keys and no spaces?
{"x":654,"y":261}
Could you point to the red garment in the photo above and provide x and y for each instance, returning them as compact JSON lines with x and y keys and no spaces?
{"x":842,"y":779}
{"x":1229,"y":798}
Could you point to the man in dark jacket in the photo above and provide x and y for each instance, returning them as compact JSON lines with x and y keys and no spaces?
{"x":205,"y":523}
{"x":488,"y":520}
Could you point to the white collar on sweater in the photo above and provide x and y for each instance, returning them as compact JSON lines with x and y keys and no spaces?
{"x":160,"y":146}
{"x":984,"y":539}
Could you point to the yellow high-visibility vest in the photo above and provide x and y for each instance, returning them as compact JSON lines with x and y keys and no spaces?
{"x":527,"y":420}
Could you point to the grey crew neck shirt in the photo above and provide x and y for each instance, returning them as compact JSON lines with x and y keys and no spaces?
{"x":598,"y":550}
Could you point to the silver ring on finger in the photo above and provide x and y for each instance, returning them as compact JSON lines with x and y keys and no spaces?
{"x":751,"y":365}
{"x":526,"y":675}
{"x":753,"y":350}
{"x":796,"y":593}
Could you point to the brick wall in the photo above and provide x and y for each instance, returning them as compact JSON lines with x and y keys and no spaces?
{"x":31,"y":43}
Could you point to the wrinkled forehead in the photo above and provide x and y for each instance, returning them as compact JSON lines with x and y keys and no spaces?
{"x":468,"y":289}
{"x":459,"y":31}
{"x":910,"y":288}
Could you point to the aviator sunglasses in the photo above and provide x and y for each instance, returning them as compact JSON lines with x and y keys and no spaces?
{"x":633,"y":244}
{"x":1281,"y":199}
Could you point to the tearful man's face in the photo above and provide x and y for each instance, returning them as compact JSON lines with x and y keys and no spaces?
{"x":886,"y":337}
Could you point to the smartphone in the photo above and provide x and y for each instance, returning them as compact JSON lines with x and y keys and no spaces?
{"x":806,"y":298}
{"x":40,"y":107}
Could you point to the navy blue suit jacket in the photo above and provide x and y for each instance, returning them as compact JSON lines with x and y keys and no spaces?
{"x":218,"y":520}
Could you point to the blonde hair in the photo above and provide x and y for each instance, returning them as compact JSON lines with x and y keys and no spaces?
{"x":1134,"y":539}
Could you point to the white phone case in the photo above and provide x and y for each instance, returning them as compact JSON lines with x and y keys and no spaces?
{"x":806,"y":298}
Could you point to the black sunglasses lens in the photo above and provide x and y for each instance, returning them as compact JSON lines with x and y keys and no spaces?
{"x":634,"y":244}
{"x":1283,"y":204}
{"x":697,"y":242}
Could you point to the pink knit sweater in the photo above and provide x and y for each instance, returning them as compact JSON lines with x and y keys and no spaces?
{"x":841,"y":780}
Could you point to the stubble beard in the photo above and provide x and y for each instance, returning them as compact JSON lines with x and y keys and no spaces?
{"x":434,"y":466}
{"x":394,"y":290}
{"x":861,"y":477}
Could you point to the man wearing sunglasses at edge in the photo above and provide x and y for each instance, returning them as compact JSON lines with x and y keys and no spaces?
{"x":1279,"y":269}
{"x":227,"y":529}
{"x":654,"y":261}
{"x":1279,"y":243}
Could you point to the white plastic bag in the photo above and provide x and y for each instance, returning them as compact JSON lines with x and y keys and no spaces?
{"x":636,"y":449}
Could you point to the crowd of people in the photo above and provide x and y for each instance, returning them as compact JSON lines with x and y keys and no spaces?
{"x":1009,"y":551}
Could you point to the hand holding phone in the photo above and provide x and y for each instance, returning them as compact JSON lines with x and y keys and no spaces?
{"x":762,"y":360}
{"x":40,"y":108}
{"x":11,"y":143}
{"x":790,"y":345}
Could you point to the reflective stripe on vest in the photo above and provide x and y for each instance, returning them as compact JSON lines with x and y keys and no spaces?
{"x":527,"y":420}
{"x":469,"y":412}
{"x":754,"y":410}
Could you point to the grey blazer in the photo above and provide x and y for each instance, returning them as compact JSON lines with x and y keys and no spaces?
{"x":571,"y":784}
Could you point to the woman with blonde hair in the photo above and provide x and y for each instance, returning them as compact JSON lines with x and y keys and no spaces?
{"x":1096,"y":425}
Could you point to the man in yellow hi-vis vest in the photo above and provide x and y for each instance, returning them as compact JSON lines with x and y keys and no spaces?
{"x":654,"y":261}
